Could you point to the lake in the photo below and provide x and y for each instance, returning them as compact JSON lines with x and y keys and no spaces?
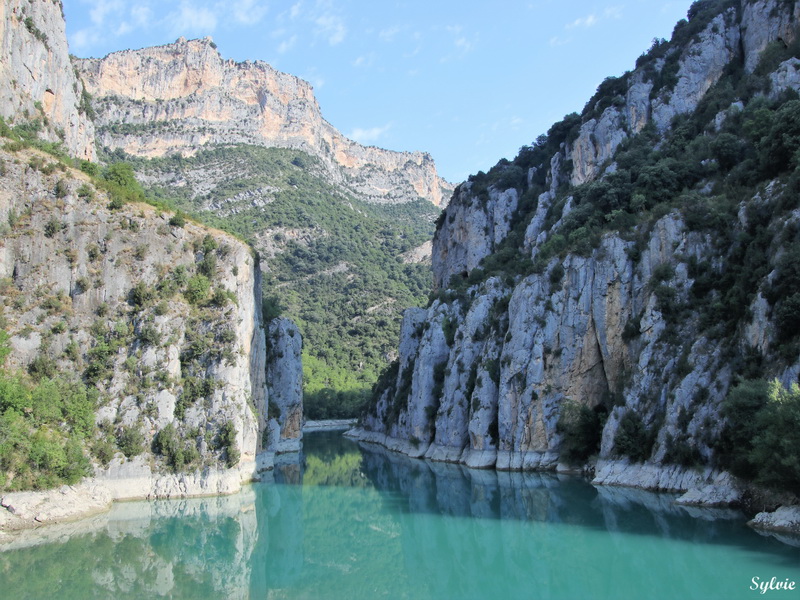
{"x":350,"y":522}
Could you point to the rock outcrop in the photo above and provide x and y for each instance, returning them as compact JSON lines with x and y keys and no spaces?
{"x":184,"y":96}
{"x":37,"y":80}
{"x":164,"y":320}
{"x":605,"y":321}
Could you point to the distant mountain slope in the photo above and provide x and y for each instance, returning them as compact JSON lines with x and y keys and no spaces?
{"x":331,"y":262}
{"x":184,"y":96}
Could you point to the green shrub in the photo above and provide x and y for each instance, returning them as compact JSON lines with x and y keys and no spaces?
{"x":633,"y":439}
{"x":581,"y":429}
{"x":130,"y":441}
{"x":197,"y":288}
{"x":141,"y":295}
{"x":62,"y":188}
{"x":761,"y":437}
{"x":52,"y":227}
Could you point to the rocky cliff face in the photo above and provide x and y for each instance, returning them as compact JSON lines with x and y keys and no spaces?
{"x":37,"y":80}
{"x":185,"y":96}
{"x":163,"y":320}
{"x":569,"y":279}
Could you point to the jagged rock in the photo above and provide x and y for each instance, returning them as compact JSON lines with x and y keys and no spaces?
{"x":183,"y":96}
{"x":702,"y":64}
{"x":786,"y":518}
{"x":468,"y":235}
{"x":285,"y":386}
{"x":36,"y":76}
{"x":764,"y":21}
{"x":785,"y":77}
{"x":611,"y":326}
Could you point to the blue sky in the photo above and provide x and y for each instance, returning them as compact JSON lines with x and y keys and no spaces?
{"x":467,"y":81}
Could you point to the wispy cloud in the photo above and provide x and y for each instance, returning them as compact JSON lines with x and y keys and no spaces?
{"x":462,"y":44}
{"x":585,"y":22}
{"x":331,"y":27}
{"x":248,"y":12}
{"x":287,"y":45}
{"x":370,"y":135}
{"x":191,"y":19}
{"x":388,"y":35}
{"x":557,"y":41}
{"x":590,"y":20}
{"x":365,"y":60}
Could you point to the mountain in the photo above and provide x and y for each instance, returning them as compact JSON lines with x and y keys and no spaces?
{"x":244,"y":148}
{"x":182,"y":97}
{"x":618,"y":297}
{"x":132,"y":339}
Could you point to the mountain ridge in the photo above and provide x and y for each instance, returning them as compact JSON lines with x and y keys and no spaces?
{"x":183,"y":96}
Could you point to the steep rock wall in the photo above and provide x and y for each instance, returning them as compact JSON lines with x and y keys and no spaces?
{"x":37,"y":80}
{"x":490,"y":367}
{"x":183,"y":96}
{"x":78,"y":275}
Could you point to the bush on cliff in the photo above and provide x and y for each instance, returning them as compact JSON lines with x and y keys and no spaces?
{"x":761,"y":439}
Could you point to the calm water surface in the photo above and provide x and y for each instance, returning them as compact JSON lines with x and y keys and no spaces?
{"x":354,"y":523}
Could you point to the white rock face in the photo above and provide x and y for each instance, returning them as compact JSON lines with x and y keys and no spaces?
{"x":285,"y":386}
{"x":183,"y":96}
{"x":36,"y":76}
{"x":468,"y":235}
{"x":599,"y":139}
{"x":701,"y":67}
{"x":785,"y":77}
{"x":786,"y":518}
{"x":87,"y":268}
{"x":766,"y":21}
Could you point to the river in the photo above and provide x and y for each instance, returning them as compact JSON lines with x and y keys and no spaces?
{"x":354,"y":522}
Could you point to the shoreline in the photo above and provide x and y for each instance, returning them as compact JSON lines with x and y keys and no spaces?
{"x":125,"y":482}
{"x":330,"y":425}
{"x":705,"y":488}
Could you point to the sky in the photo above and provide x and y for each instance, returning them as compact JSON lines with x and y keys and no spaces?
{"x":468,"y":81}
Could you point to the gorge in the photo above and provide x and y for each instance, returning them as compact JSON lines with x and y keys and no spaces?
{"x":616,"y":301}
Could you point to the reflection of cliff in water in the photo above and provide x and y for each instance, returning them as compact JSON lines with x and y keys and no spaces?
{"x":277,"y":559}
{"x":192,"y":548}
{"x":527,"y":505}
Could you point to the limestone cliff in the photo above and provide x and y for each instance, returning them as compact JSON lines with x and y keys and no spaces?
{"x":162,"y":318}
{"x":612,"y":267}
{"x":37,"y":80}
{"x":184,"y":96}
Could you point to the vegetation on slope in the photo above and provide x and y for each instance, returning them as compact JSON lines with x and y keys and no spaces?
{"x":333,"y":263}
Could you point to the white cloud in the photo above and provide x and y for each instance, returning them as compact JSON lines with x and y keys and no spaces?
{"x":556,"y":41}
{"x":142,"y":15}
{"x":388,"y":35}
{"x":370,"y":135}
{"x":331,"y":27}
{"x":613,"y":12}
{"x":192,"y":20}
{"x":102,"y":8}
{"x":287,"y":45}
{"x":462,"y":44}
{"x":587,"y":21}
{"x":249,"y":12}
{"x":365,"y":60}
{"x":82,"y":40}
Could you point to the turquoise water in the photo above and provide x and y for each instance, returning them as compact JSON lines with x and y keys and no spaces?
{"x":353,"y":523}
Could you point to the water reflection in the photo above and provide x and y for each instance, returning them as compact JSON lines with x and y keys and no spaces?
{"x":350,"y":522}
